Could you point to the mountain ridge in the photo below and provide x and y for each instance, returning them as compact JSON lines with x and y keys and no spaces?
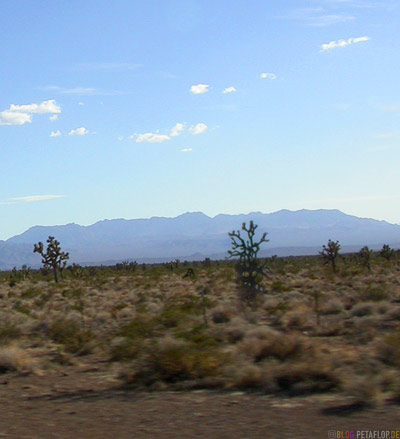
{"x":195,"y":233}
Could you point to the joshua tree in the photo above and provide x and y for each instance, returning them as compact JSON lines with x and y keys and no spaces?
{"x":387,"y":252}
{"x":250,"y":270}
{"x":330,"y":252}
{"x":53,"y":258}
{"x":364,"y":257}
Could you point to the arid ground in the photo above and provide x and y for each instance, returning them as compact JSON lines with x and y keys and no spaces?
{"x":140,"y":351}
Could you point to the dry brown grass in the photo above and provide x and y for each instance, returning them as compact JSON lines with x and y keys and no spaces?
{"x":165,"y":333}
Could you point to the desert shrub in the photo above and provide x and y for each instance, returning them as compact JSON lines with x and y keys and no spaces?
{"x":279,"y":287}
{"x":219,"y":316}
{"x":299,"y":318}
{"x":123,"y":348}
{"x":13,"y":358}
{"x":31,"y":292}
{"x":172,"y":360}
{"x":9,"y":330}
{"x":362,"y":309}
{"x":142,"y":326}
{"x":394,"y":314}
{"x":22,"y":308}
{"x":374,"y":293}
{"x":388,"y":350}
{"x":332,"y":306}
{"x":71,"y":335}
{"x":387,"y":252}
{"x":307,"y":377}
{"x":366,"y":391}
{"x":270,"y":344}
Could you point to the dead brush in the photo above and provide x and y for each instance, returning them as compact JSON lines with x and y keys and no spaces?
{"x":14,"y":358}
{"x":270,"y":344}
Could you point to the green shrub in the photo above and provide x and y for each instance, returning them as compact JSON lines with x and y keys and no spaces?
{"x":71,"y":335}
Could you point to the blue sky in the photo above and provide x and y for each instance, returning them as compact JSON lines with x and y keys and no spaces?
{"x":132,"y":109}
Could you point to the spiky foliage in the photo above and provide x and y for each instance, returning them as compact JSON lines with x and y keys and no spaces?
{"x":53,"y":258}
{"x":364,"y":257}
{"x":387,"y":252}
{"x":251,"y":270}
{"x":330,"y":253}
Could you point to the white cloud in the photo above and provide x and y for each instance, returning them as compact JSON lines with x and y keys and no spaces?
{"x":200,"y":128}
{"x":177,"y":130}
{"x":229,"y":90}
{"x":81,"y":104}
{"x":82,"y":131}
{"x":35,"y":198}
{"x":151,"y":138}
{"x":55,"y":133}
{"x":49,"y":106}
{"x":343,"y":43}
{"x":8,"y":117}
{"x":21,"y":114}
{"x":53,"y":118}
{"x":271,"y":76}
{"x":199,"y":89}
{"x":186,"y":150}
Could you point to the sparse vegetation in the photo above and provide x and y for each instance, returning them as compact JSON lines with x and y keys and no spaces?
{"x":330,"y":253}
{"x":251,"y":271}
{"x":53,"y":259}
{"x":313,"y":332}
{"x":387,"y":252}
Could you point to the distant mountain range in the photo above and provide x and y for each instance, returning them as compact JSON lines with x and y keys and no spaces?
{"x":194,"y":236}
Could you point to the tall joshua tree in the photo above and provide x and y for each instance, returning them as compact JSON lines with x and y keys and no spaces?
{"x":330,"y":253}
{"x":250,"y":269}
{"x":53,"y":259}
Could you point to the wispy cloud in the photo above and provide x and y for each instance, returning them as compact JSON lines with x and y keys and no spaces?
{"x":270,"y":76}
{"x":55,"y":133}
{"x":387,"y":108}
{"x":151,"y":138}
{"x":82,"y":131}
{"x":43,"y":108}
{"x":343,"y":43}
{"x":81,"y":91}
{"x":200,"y":128}
{"x":386,"y":136}
{"x":22,"y":114}
{"x":379,"y":148}
{"x":53,"y":118}
{"x":108,"y":66}
{"x":35,"y":198}
{"x":336,"y":201}
{"x":229,"y":90}
{"x":186,"y":150}
{"x":349,"y":3}
{"x":318,"y":17}
{"x":156,"y":137}
{"x":199,"y":89}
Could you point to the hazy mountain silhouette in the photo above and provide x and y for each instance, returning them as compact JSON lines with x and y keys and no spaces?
{"x":195,"y":236}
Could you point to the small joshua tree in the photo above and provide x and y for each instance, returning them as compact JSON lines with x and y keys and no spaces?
{"x":364,"y":257}
{"x":53,"y":258}
{"x":330,"y":253}
{"x":387,"y":252}
{"x":250,"y":270}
